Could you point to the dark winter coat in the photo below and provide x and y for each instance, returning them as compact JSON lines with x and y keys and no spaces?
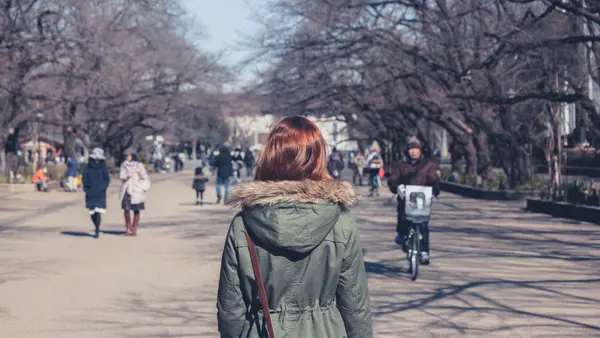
{"x":95,"y":182}
{"x":200,"y":180}
{"x":310,"y":259}
{"x":12,"y":142}
{"x":336,"y":160}
{"x":248,"y":159}
{"x":223,"y":163}
{"x":419,"y":172}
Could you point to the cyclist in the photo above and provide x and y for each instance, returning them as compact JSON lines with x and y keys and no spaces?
{"x":374,"y":163}
{"x":335,"y":164}
{"x":417,"y":170}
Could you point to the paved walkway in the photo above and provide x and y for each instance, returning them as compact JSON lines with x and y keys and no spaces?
{"x":496,"y":272}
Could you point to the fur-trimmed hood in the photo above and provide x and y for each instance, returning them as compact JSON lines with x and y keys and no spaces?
{"x":260,"y":193}
{"x":293,"y":216}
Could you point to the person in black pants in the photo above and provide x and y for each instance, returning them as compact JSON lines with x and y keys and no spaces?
{"x":11,"y":148}
{"x":95,"y":181}
{"x":199,"y":185}
{"x":224,"y":167}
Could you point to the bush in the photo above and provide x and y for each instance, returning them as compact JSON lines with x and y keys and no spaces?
{"x":582,"y":192}
{"x":497,"y":181}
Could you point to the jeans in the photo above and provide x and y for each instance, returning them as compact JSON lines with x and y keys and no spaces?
{"x":357,"y":175}
{"x":248,"y":170}
{"x":225,"y":182}
{"x":402,"y":229}
{"x":42,"y":185}
{"x":72,"y":183}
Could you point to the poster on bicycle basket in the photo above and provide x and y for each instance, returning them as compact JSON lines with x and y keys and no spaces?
{"x":418,"y":203}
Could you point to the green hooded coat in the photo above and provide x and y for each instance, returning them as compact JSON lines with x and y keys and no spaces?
{"x":310,"y":259}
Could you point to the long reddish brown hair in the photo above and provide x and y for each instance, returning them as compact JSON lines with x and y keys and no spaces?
{"x":295,"y":150}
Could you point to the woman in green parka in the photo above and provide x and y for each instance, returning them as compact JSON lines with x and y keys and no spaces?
{"x":307,"y":245}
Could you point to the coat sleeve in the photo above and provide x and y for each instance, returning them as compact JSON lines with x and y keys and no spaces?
{"x":353,"y":291}
{"x":105,"y":177}
{"x":395,"y":179}
{"x":143,"y":172}
{"x":84,"y":180}
{"x":433,"y":179}
{"x":231,"y":309}
{"x":123,"y":175}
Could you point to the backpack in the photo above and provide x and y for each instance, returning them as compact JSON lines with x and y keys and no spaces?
{"x":376,"y":160}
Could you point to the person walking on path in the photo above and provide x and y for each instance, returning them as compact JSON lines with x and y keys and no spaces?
{"x":11,"y":153}
{"x":307,"y":247}
{"x":134,"y":184}
{"x":72,"y":173}
{"x":248,"y":161}
{"x":224,"y":167}
{"x":199,"y":184}
{"x":95,"y":182}
{"x":358,"y":168}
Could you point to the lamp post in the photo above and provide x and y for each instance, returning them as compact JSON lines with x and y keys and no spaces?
{"x":36,"y":139}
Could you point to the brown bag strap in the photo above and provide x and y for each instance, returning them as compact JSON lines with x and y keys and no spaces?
{"x":261,"y":286}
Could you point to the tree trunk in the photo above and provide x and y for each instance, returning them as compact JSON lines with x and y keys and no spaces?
{"x":484,"y":158}
{"x":194,"y":146}
{"x":471,"y":158}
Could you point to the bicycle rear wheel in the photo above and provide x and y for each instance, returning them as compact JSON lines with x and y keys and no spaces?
{"x":415,"y":253}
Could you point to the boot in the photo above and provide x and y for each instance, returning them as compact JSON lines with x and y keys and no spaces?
{"x":96,"y":221}
{"x":136,"y":222}
{"x":128,"y":223}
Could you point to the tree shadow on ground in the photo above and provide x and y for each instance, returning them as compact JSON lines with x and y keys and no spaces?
{"x":383,"y":269}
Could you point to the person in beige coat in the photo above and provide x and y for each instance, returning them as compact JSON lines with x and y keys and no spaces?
{"x":134,"y":184}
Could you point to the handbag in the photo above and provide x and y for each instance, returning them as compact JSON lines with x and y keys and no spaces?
{"x":261,"y":286}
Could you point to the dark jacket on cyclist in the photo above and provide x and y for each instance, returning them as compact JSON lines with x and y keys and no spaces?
{"x":421,"y":171}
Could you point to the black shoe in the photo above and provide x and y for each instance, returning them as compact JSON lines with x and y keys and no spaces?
{"x":218,"y":200}
{"x":97,"y":233}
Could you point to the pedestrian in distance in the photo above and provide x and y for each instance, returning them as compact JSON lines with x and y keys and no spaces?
{"x":40,"y":179}
{"x":249,"y":162}
{"x":199,"y":184}
{"x":72,"y":173}
{"x":358,"y":168}
{"x":11,"y":154}
{"x":292,"y":264}
{"x":224,"y":168}
{"x":95,"y":182}
{"x":135,"y":182}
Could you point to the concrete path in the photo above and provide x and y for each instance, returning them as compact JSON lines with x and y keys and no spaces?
{"x":496,"y":272}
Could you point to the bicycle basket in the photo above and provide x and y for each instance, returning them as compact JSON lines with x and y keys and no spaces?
{"x":418,"y":203}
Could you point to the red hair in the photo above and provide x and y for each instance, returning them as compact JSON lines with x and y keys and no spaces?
{"x":295,"y":150}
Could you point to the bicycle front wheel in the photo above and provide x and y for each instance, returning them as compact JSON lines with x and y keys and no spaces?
{"x":415,"y":257}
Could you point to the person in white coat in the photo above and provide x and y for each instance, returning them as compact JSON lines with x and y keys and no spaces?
{"x":134,"y":184}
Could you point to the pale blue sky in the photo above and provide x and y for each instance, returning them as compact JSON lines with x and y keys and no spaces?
{"x":225,"y":23}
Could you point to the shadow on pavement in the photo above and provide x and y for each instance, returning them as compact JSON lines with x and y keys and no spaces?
{"x":76,"y":234}
{"x":113,"y":232}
